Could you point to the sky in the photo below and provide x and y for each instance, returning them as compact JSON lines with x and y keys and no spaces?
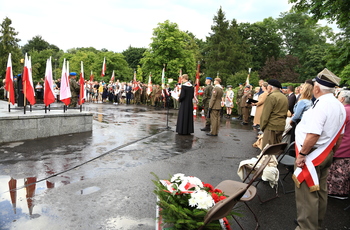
{"x":118,"y":24}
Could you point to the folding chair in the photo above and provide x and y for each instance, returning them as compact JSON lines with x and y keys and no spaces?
{"x":230,"y":186}
{"x":287,"y":159}
{"x":224,"y":207}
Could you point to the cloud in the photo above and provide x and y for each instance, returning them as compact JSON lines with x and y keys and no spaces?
{"x":117,"y":24}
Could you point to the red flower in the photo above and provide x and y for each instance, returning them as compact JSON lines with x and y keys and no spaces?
{"x":215,"y":197}
{"x":211,"y":188}
{"x":217,"y":190}
{"x":222,"y":197}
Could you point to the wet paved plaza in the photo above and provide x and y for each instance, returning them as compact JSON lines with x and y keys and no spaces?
{"x":101,"y":179}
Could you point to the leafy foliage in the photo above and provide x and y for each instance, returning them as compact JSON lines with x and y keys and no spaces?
{"x":225,"y":52}
{"x":39,"y":44}
{"x":9,"y":44}
{"x":172,"y":48}
{"x":282,"y":69}
{"x":133,"y":56}
{"x":263,"y":39}
{"x":334,"y":11}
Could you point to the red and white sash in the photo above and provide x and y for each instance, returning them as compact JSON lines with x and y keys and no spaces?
{"x":308,"y":172}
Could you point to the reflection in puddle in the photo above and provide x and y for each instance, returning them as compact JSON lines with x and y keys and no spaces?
{"x":17,"y":199}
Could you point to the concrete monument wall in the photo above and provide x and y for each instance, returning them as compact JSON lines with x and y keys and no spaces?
{"x":26,"y":127}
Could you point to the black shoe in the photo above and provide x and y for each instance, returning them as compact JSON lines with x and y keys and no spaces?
{"x":244,"y":123}
{"x":205,"y":129}
{"x":209,"y":134}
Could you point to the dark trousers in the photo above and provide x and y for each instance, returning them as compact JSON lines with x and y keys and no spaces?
{"x":128,"y":98}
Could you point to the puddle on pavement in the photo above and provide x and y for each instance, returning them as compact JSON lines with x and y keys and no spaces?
{"x":87,"y":191}
{"x":17,"y":199}
{"x":49,"y":156}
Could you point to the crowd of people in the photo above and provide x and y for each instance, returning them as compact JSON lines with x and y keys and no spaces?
{"x":317,"y":114}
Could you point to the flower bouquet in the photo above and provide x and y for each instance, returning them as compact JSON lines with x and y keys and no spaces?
{"x":185,"y":200}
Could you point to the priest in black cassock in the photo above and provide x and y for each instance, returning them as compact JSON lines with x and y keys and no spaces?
{"x":184,"y":124}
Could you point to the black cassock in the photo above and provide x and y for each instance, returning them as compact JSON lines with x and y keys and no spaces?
{"x":184,"y":124}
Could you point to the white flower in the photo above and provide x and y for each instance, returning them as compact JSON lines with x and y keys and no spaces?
{"x":195,"y":180}
{"x":177,"y":178}
{"x":192,"y":202}
{"x":202,"y":199}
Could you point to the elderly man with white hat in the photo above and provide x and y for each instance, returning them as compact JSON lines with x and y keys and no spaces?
{"x":316,"y":136}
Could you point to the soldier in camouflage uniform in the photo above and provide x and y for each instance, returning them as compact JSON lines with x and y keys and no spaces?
{"x":74,"y":89}
{"x":205,"y":101}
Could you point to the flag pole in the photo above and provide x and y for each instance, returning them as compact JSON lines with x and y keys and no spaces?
{"x":9,"y":93}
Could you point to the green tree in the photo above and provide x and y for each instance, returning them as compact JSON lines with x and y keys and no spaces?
{"x":338,"y":55}
{"x":314,"y":61}
{"x":39,"y":59}
{"x":345,"y":75}
{"x":225,"y":53}
{"x":9,"y":44}
{"x":241,"y":77}
{"x":299,"y":34}
{"x":133,"y":56}
{"x":171,"y":47}
{"x":38,"y":43}
{"x":263,"y":39}
{"x":93,"y":62}
{"x":334,"y":11}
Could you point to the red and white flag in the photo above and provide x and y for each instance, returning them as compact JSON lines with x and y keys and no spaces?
{"x":67,"y":68}
{"x":28,"y":81}
{"x":149,"y":87}
{"x":82,"y":86}
{"x":9,"y":86}
{"x":247,"y":81}
{"x":197,"y":80}
{"x":91,"y":77}
{"x":65,"y":93}
{"x":103,"y":73}
{"x":135,"y":84}
{"x":180,"y":77}
{"x":49,"y":95}
{"x":163,"y":78}
{"x":112,"y":78}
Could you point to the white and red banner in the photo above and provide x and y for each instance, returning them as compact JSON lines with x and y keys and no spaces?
{"x":163,"y":78}
{"x":65,"y":93}
{"x":27,"y":81}
{"x":91,"y":77}
{"x":308,"y":173}
{"x":49,"y":95}
{"x":247,"y":80}
{"x":149,"y":87}
{"x":180,"y":77}
{"x":104,"y":67}
{"x":135,"y":84}
{"x":9,"y":86}
{"x":112,"y":78}
{"x":82,"y":86}
{"x":197,"y":81}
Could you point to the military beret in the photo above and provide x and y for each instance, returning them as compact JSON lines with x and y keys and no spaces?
{"x":209,"y":78}
{"x":72,"y":74}
{"x":274,"y":83}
